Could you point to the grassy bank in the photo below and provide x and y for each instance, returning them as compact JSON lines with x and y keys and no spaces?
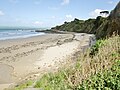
{"x":96,"y":69}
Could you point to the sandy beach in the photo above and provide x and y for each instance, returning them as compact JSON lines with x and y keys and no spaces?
{"x":28,"y":58}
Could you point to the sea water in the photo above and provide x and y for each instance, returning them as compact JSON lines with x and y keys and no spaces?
{"x":17,"y":33}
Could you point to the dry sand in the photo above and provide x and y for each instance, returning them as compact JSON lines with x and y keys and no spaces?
{"x":23,"y":59}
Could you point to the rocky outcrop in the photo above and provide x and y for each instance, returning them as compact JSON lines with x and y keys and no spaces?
{"x":114,"y":20}
{"x":116,"y":12}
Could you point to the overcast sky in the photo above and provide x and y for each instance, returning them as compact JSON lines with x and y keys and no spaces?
{"x":48,"y":13}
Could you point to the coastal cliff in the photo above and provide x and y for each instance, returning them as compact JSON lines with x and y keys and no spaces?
{"x":101,"y":27}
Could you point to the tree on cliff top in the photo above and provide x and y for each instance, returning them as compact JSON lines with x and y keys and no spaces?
{"x":104,"y":12}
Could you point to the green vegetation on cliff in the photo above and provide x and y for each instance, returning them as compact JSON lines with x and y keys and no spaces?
{"x":101,"y":27}
{"x":70,"y":26}
{"x":87,"y":26}
{"x":77,"y":25}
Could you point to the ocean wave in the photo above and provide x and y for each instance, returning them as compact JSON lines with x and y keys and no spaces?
{"x":14,"y":34}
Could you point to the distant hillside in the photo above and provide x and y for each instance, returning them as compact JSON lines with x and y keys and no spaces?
{"x":101,"y":27}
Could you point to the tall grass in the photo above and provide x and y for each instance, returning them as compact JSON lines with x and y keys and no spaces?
{"x":94,"y":64}
{"x":107,"y":80}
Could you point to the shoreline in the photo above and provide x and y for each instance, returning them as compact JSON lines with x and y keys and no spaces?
{"x":18,"y":34}
{"x":34,"y":56}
